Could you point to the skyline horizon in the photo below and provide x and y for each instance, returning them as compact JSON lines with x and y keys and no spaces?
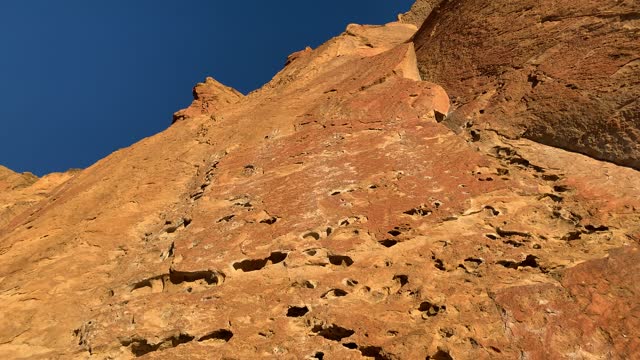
{"x":90,"y":79}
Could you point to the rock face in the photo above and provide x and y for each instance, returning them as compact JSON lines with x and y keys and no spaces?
{"x":18,"y":192}
{"x":329,"y":215}
{"x":563,"y":73}
{"x":419,"y":11}
{"x":209,"y":98}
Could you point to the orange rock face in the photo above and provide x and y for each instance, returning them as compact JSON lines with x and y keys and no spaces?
{"x":209,"y":98}
{"x":329,"y":215}
{"x":563,"y":73}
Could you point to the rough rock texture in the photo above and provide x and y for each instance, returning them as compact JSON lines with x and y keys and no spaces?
{"x":18,"y":192}
{"x":329,"y":215}
{"x":209,"y":98}
{"x":419,"y":11}
{"x":564,"y":73}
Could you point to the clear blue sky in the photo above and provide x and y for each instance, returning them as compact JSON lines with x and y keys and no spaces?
{"x":80,"y":79}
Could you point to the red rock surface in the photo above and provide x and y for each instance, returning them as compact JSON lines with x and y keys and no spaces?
{"x":328,"y":215}
{"x":564,"y":73}
{"x":209,"y":98}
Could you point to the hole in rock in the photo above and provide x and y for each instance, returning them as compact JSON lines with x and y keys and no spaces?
{"x":529,"y":261}
{"x":573,"y":235}
{"x":553,"y":197}
{"x":394,"y":232}
{"x":513,"y":243}
{"x":340,"y":260}
{"x":375,"y":352}
{"x":210,"y":277}
{"x":418,"y":211}
{"x":270,"y":221}
{"x":318,"y":355}
{"x":312,"y":234}
{"x":475,"y":135}
{"x":507,"y":233}
{"x":440,"y":355}
{"x":304,"y":284}
{"x":350,"y":345}
{"x":431,"y":309}
{"x":493,"y":210}
{"x":446,"y":332}
{"x":439,"y":116}
{"x":277,"y":257}
{"x":226,"y":218}
{"x":502,"y":171}
{"x":403,"y":279}
{"x":333,"y":332}
{"x":351,"y":282}
{"x":388,"y":243}
{"x":473,"y":260}
{"x":334,"y":293}
{"x":181,"y":339}
{"x":222,"y":334}
{"x":141,"y":347}
{"x":258,"y":264}
{"x":533,"y":80}
{"x":297,"y":311}
{"x":591,"y":229}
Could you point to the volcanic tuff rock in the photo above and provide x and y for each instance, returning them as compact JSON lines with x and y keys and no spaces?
{"x":18,"y":192}
{"x":328,"y":215}
{"x":209,"y":98}
{"x":564,"y":73}
{"x":419,"y":11}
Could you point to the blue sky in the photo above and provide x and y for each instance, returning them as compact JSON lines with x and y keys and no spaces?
{"x":80,"y":79}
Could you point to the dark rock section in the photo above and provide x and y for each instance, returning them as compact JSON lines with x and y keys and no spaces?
{"x":563,"y":73}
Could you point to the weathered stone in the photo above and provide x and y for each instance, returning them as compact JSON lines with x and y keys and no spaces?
{"x":330,"y":214}
{"x":419,"y":12}
{"x":209,"y":98}
{"x":563,"y":73}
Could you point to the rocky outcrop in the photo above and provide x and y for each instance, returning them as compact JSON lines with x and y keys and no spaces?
{"x":563,"y":73}
{"x":209,"y":98}
{"x":418,"y":13}
{"x":18,"y":192}
{"x":330,"y":214}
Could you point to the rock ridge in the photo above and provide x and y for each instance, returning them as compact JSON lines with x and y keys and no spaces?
{"x":333,"y":213}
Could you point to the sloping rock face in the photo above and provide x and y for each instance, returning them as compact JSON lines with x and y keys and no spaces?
{"x":18,"y":192}
{"x":209,"y":98}
{"x":329,"y":215}
{"x":563,"y":73}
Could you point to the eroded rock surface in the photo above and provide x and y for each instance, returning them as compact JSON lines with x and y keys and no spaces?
{"x":18,"y":192}
{"x":419,"y":11}
{"x":329,"y":215}
{"x":563,"y":73}
{"x":209,"y":98}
